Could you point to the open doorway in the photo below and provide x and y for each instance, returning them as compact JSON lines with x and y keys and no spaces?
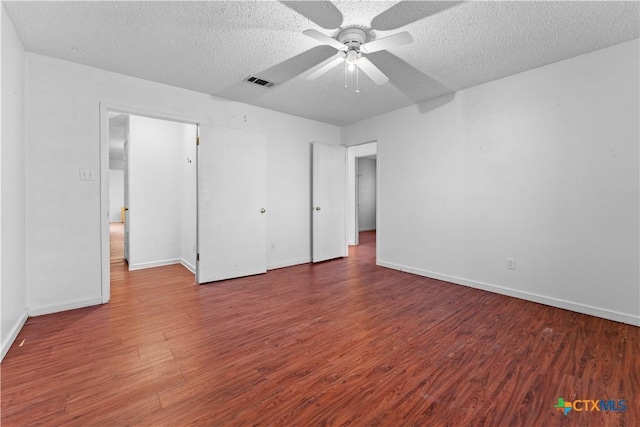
{"x":152,"y":191}
{"x":366,"y":197}
{"x":118,"y":134}
{"x":362,"y":194}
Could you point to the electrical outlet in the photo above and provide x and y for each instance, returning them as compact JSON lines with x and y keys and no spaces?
{"x":511,"y":263}
{"x":87,"y":175}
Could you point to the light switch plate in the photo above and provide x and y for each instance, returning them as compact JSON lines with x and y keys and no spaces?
{"x":87,"y":175}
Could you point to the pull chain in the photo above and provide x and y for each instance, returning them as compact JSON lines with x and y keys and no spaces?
{"x":357,"y":79}
{"x":346,"y":71}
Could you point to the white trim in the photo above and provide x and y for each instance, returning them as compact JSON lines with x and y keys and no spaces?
{"x":356,"y":200}
{"x":13,"y":334}
{"x":104,"y":204}
{"x":528,"y":296}
{"x":186,"y":264}
{"x":288,"y":263}
{"x":152,"y":114}
{"x":40,"y":311}
{"x":152,"y":264}
{"x":378,"y":200}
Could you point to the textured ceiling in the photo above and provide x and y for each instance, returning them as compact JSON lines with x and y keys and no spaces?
{"x":211,"y":47}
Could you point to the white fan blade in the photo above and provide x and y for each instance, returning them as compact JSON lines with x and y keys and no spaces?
{"x":387,"y":42}
{"x":329,"y":64}
{"x":372,"y":71}
{"x":324,"y":39}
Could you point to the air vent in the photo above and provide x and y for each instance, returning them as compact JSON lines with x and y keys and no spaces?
{"x":258,"y":81}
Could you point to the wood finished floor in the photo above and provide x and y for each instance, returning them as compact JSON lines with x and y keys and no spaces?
{"x":339,"y":343}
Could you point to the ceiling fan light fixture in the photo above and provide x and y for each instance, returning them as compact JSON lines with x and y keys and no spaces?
{"x":351,"y":65}
{"x":352,"y":57}
{"x":352,"y":42}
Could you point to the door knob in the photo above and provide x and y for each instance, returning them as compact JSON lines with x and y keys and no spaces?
{"x":317,"y":208}
{"x":262,"y":210}
{"x":126,"y":209}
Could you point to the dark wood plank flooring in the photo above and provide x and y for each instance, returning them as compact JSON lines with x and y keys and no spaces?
{"x":343,"y":342}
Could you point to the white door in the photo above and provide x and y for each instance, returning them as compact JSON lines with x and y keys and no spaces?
{"x":232,"y":176}
{"x":357,"y":207}
{"x":329,"y":202}
{"x":126,"y":189}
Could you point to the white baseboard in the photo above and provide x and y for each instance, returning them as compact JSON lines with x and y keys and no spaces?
{"x":40,"y":311}
{"x":368,"y":229}
{"x":161,"y":263}
{"x":528,"y":296}
{"x":288,"y":264}
{"x":188,"y":265}
{"x":13,"y":333}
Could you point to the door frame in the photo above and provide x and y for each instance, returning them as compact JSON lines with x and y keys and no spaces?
{"x":126,"y":194}
{"x":354,"y":152}
{"x":105,"y":108}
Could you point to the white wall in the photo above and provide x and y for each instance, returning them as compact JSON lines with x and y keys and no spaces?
{"x":541,"y":166}
{"x":63,"y":237}
{"x":188,"y":202}
{"x":366,"y":194}
{"x":155,"y":187}
{"x":116,"y":194}
{"x":13,"y":290}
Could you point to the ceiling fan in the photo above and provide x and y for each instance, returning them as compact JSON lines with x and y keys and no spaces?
{"x":355,"y":44}
{"x":352,"y":44}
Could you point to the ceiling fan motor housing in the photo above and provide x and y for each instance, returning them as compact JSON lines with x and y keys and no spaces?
{"x":352,"y":37}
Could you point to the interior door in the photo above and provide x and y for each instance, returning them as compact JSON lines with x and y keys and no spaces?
{"x":126,"y":189}
{"x":232,"y":176}
{"x":329,"y":202}
{"x":356,"y":240}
